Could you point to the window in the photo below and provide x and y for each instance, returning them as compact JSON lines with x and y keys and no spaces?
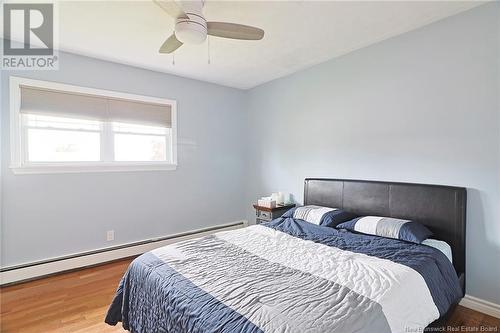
{"x":57,"y":139}
{"x":140,"y":143}
{"x":61,"y":128}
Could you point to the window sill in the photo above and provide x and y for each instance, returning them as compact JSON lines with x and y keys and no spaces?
{"x":88,"y":168}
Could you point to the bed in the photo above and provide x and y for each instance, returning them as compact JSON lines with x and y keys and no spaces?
{"x":293,"y":276}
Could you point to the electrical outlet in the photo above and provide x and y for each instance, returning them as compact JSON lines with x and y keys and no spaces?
{"x":110,"y":235}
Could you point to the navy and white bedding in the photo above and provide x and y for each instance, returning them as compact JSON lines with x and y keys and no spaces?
{"x":286,"y":276}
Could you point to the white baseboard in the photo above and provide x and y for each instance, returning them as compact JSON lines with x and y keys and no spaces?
{"x":100,"y":256}
{"x":481,"y":305}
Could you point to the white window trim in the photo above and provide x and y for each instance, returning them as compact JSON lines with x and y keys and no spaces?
{"x":16,"y":164}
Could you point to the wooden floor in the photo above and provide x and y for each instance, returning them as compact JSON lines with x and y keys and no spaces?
{"x":77,"y":302}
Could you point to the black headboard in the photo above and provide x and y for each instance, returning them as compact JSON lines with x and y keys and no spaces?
{"x":440,"y":208}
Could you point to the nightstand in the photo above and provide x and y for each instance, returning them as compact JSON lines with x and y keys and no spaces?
{"x":264,"y":214}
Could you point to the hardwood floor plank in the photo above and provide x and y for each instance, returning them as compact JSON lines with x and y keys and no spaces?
{"x":77,"y":302}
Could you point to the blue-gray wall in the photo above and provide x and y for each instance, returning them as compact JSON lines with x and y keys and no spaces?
{"x":422,"y":107}
{"x":52,"y":215}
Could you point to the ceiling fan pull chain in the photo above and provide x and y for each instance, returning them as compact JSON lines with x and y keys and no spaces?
{"x":173,"y":53}
{"x":208,"y":44}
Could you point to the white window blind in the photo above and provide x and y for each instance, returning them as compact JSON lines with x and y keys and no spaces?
{"x":105,"y":109}
{"x":63,"y":128}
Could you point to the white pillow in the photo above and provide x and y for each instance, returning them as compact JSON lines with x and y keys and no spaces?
{"x":441,"y":246}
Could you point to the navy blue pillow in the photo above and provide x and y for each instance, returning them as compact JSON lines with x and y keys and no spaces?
{"x":328,"y":219}
{"x":334,"y":218}
{"x":389,"y":227}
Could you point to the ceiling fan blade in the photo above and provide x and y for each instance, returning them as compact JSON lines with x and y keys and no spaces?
{"x":172,"y":8}
{"x":234,"y":31}
{"x":170,"y":45}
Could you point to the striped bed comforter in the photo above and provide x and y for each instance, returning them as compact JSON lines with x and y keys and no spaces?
{"x":285,"y":276}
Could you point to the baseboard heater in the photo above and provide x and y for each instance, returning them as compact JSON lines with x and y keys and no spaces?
{"x":35,"y":270}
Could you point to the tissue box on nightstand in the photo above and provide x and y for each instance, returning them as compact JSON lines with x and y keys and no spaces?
{"x":266,"y":203}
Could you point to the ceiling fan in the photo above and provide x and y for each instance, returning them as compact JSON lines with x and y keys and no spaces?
{"x":192,"y":28}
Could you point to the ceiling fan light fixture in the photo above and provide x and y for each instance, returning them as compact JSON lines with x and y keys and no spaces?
{"x":191,"y":32}
{"x":191,"y":26}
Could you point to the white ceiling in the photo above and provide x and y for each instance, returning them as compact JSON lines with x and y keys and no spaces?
{"x":299,"y":34}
